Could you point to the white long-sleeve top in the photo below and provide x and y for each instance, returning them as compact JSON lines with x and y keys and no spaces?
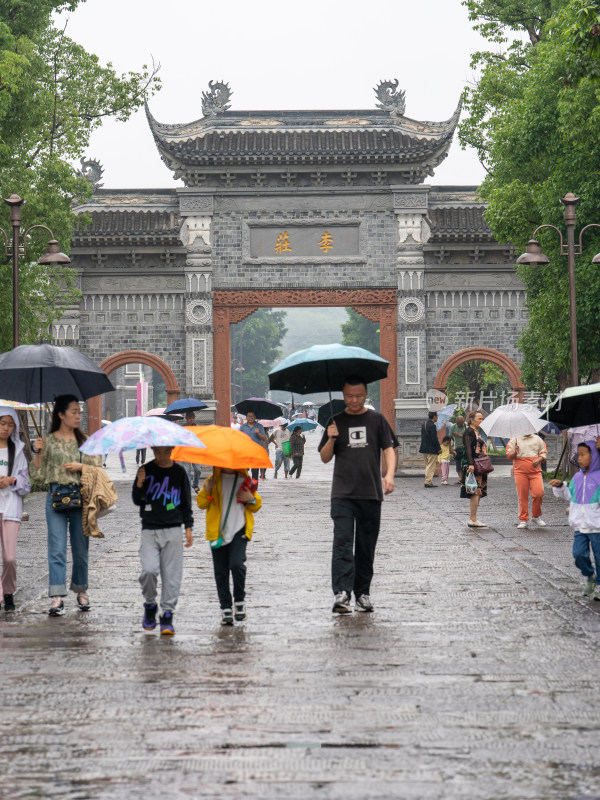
{"x":583,"y":517}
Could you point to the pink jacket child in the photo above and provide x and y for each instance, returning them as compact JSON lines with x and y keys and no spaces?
{"x":14,"y":483}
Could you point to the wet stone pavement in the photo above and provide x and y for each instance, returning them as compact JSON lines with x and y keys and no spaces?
{"x":476,"y":677}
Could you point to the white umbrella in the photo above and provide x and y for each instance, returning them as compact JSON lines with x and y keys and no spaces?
{"x":513,"y":419}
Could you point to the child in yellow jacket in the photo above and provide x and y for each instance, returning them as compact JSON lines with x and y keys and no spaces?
{"x":230,"y":508}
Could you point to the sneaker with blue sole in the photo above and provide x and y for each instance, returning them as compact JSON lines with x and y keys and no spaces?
{"x":166,"y":624}
{"x":149,"y":620}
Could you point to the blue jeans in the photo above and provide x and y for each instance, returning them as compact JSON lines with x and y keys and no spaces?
{"x":193,"y":472}
{"x":57,"y":523}
{"x":581,"y":553}
{"x":279,"y":457}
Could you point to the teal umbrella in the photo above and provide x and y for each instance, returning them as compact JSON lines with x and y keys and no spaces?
{"x":326,"y":368}
{"x":303,"y":424}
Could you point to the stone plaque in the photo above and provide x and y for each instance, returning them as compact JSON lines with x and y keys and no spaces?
{"x":292,"y":241}
{"x":412,"y":372}
{"x":199,"y":377}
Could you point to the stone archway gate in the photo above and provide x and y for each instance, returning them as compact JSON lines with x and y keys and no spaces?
{"x":378,"y":305}
{"x":295,"y":207}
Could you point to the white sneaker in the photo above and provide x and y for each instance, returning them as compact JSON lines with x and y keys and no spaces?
{"x":590,"y":586}
{"x":341,"y":604}
{"x":522,"y":525}
{"x":363,"y":603}
{"x":444,"y":483}
{"x":539,"y":522}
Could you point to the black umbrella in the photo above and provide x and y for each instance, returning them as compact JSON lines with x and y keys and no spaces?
{"x":575,"y":407}
{"x":37,"y":373}
{"x":187,"y":404}
{"x":264,"y":409}
{"x":329,"y":410}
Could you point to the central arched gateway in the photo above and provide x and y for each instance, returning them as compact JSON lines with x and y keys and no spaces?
{"x":378,"y":305}
{"x":94,"y":404}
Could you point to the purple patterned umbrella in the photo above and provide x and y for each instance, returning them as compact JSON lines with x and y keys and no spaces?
{"x":133,"y":433}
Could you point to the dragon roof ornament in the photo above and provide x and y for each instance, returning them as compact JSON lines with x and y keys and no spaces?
{"x":216,"y":100}
{"x":390,"y":100}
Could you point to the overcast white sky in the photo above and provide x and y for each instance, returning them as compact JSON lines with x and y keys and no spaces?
{"x":317,"y":54}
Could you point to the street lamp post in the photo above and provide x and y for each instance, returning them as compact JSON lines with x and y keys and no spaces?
{"x":534,"y":256}
{"x":18,"y":247}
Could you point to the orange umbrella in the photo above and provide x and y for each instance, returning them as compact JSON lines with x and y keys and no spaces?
{"x":225,"y":447}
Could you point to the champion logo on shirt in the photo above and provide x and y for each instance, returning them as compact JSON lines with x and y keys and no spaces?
{"x":357,"y":437}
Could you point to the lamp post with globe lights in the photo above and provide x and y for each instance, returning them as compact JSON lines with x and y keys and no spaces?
{"x":15,"y":246}
{"x":534,"y":256}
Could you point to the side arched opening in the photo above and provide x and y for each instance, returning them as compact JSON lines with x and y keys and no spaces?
{"x":481,"y":354}
{"x":94,"y":404}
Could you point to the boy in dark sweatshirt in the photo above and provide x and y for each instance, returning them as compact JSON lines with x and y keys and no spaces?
{"x":162,"y":490}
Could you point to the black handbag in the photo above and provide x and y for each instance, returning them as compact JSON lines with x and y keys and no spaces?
{"x":66,"y":497}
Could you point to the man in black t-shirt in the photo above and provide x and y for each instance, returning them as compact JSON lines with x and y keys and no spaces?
{"x":357,"y":438}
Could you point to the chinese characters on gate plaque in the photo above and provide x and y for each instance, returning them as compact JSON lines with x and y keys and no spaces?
{"x":304,"y":241}
{"x":282,"y":243}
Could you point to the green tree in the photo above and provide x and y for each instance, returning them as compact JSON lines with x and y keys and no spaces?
{"x":254,"y":351}
{"x":478,"y":378}
{"x":536,"y":134}
{"x":53,"y":95}
{"x":358,"y":331}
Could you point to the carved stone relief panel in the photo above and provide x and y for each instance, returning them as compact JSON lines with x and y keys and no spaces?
{"x":132,"y":283}
{"x":411,"y":309}
{"x":195,"y":231}
{"x":196,"y":203}
{"x":199,"y":365}
{"x":412,"y":371}
{"x":198,"y":311}
{"x":413,"y":228}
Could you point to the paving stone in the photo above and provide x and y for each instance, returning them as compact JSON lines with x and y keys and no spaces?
{"x":476,"y":677}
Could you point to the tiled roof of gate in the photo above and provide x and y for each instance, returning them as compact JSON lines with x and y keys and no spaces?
{"x":453,"y":223}
{"x":135,"y":217}
{"x":296,"y":137}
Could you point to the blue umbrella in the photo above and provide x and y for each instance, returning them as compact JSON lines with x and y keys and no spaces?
{"x":304,"y":424}
{"x":444,"y":415}
{"x":187,"y":404}
{"x":133,"y":433}
{"x":326,"y":367}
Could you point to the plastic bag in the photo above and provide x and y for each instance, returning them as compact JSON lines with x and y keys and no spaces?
{"x":471,"y":483}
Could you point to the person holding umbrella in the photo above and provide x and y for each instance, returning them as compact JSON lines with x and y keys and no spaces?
{"x":58,"y":462}
{"x":357,"y":438}
{"x":527,"y":454}
{"x":162,"y":491}
{"x":230,"y":500}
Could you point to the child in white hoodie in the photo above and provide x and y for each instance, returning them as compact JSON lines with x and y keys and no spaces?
{"x":584,"y":513}
{"x":14,"y":483}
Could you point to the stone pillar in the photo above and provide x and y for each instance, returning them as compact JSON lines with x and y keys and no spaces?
{"x":410,"y":206}
{"x":196,"y":236}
